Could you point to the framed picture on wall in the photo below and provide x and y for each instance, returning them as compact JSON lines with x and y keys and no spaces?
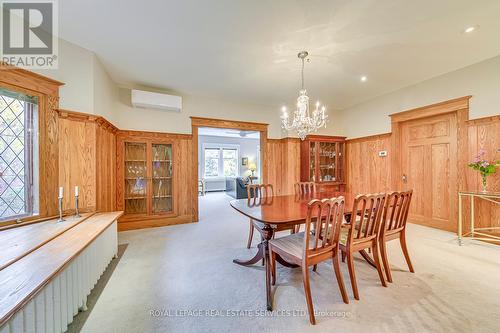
{"x":244,"y":161}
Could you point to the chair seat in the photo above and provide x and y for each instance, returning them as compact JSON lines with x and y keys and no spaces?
{"x":292,"y":244}
{"x":344,"y":232}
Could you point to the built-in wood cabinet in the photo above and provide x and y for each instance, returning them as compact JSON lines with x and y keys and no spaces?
{"x":146,"y":178}
{"x":323,"y":160}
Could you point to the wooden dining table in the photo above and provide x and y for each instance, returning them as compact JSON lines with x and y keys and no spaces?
{"x":270,"y":213}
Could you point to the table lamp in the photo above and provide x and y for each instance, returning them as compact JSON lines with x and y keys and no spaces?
{"x":252,"y":167}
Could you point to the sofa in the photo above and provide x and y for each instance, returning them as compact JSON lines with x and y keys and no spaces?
{"x":236,"y":187}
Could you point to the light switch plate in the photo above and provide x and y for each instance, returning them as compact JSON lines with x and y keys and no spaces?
{"x":382,"y":153}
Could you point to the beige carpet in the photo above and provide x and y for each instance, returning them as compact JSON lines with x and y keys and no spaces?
{"x":182,"y":279}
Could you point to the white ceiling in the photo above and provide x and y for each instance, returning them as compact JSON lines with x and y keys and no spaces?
{"x":246,"y":50}
{"x":229,"y":133}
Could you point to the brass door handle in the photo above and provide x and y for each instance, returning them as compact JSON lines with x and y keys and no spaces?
{"x":404,"y":178}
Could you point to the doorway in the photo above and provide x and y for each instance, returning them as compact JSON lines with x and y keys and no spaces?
{"x":429,"y":166}
{"x":205,"y":124}
{"x":227,"y":159}
{"x":429,"y":146}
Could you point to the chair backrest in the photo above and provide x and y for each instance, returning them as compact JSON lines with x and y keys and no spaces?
{"x":304,"y":188}
{"x":396,"y":211}
{"x":325,"y":215}
{"x":367,"y":213}
{"x":260,"y":191}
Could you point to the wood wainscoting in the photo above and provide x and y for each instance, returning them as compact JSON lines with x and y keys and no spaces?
{"x":483,"y":133}
{"x":87,"y":152}
{"x":367,"y":172}
{"x":283,"y":168}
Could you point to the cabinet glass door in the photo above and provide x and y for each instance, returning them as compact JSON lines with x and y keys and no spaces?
{"x":135,"y":178}
{"x":312,"y":162}
{"x":340,"y":161}
{"x":162,"y":178}
{"x":327,"y":156}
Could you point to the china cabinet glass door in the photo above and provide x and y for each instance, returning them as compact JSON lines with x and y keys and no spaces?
{"x":135,"y":178}
{"x":340,"y":161}
{"x":312,"y":162}
{"x":327,"y":162}
{"x":161,"y":178}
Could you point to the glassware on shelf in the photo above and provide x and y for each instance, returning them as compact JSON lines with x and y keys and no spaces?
{"x":162,"y":178}
{"x":135,"y":178}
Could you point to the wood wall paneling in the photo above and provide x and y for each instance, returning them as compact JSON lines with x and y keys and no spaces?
{"x":77,"y":163}
{"x":367,"y":172}
{"x":87,"y":158}
{"x":484,"y":134}
{"x":283,"y":167}
{"x":105,"y":168}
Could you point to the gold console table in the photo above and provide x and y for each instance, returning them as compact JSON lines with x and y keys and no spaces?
{"x":488,"y":196}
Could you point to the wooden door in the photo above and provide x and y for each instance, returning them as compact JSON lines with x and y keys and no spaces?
{"x":429,"y":167}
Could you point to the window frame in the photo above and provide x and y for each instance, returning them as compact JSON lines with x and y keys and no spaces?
{"x":221,"y":147}
{"x":31,"y":141}
{"x":47,"y":91}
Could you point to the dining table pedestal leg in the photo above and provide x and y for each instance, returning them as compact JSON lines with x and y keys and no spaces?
{"x":263,"y":253}
{"x":267,"y":232}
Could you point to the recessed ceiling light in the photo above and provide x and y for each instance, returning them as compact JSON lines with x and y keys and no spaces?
{"x":363,"y":78}
{"x":470,"y":29}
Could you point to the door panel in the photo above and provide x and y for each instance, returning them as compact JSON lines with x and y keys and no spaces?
{"x":429,"y":161}
{"x":415,"y":180}
{"x":440,"y":187}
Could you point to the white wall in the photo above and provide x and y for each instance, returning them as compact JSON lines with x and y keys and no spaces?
{"x":88,"y":88}
{"x":105,"y":92}
{"x":174,"y":122}
{"x":76,"y":71}
{"x":481,"y":80}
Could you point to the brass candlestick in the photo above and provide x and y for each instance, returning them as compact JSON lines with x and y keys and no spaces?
{"x":77,"y":213}
{"x":60,"y":210}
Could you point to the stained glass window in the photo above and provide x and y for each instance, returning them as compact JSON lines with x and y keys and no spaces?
{"x":18,"y":155}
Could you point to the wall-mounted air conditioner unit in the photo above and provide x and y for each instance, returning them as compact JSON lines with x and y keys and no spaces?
{"x":151,"y":100}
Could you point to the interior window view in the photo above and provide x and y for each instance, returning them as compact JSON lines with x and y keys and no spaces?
{"x":249,"y":166}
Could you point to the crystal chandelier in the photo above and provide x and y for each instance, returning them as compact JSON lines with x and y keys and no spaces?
{"x":303,"y":122}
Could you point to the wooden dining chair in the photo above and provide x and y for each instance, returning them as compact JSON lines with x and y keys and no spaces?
{"x":393,"y":226}
{"x":363,"y":233}
{"x":254,"y":192}
{"x":304,"y":188}
{"x":307,"y":249}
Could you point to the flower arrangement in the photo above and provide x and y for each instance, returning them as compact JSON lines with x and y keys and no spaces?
{"x":484,"y":167}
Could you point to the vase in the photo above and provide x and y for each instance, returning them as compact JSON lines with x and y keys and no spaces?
{"x":483,"y":180}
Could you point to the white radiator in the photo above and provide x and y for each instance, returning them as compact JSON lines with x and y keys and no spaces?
{"x":55,"y":305}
